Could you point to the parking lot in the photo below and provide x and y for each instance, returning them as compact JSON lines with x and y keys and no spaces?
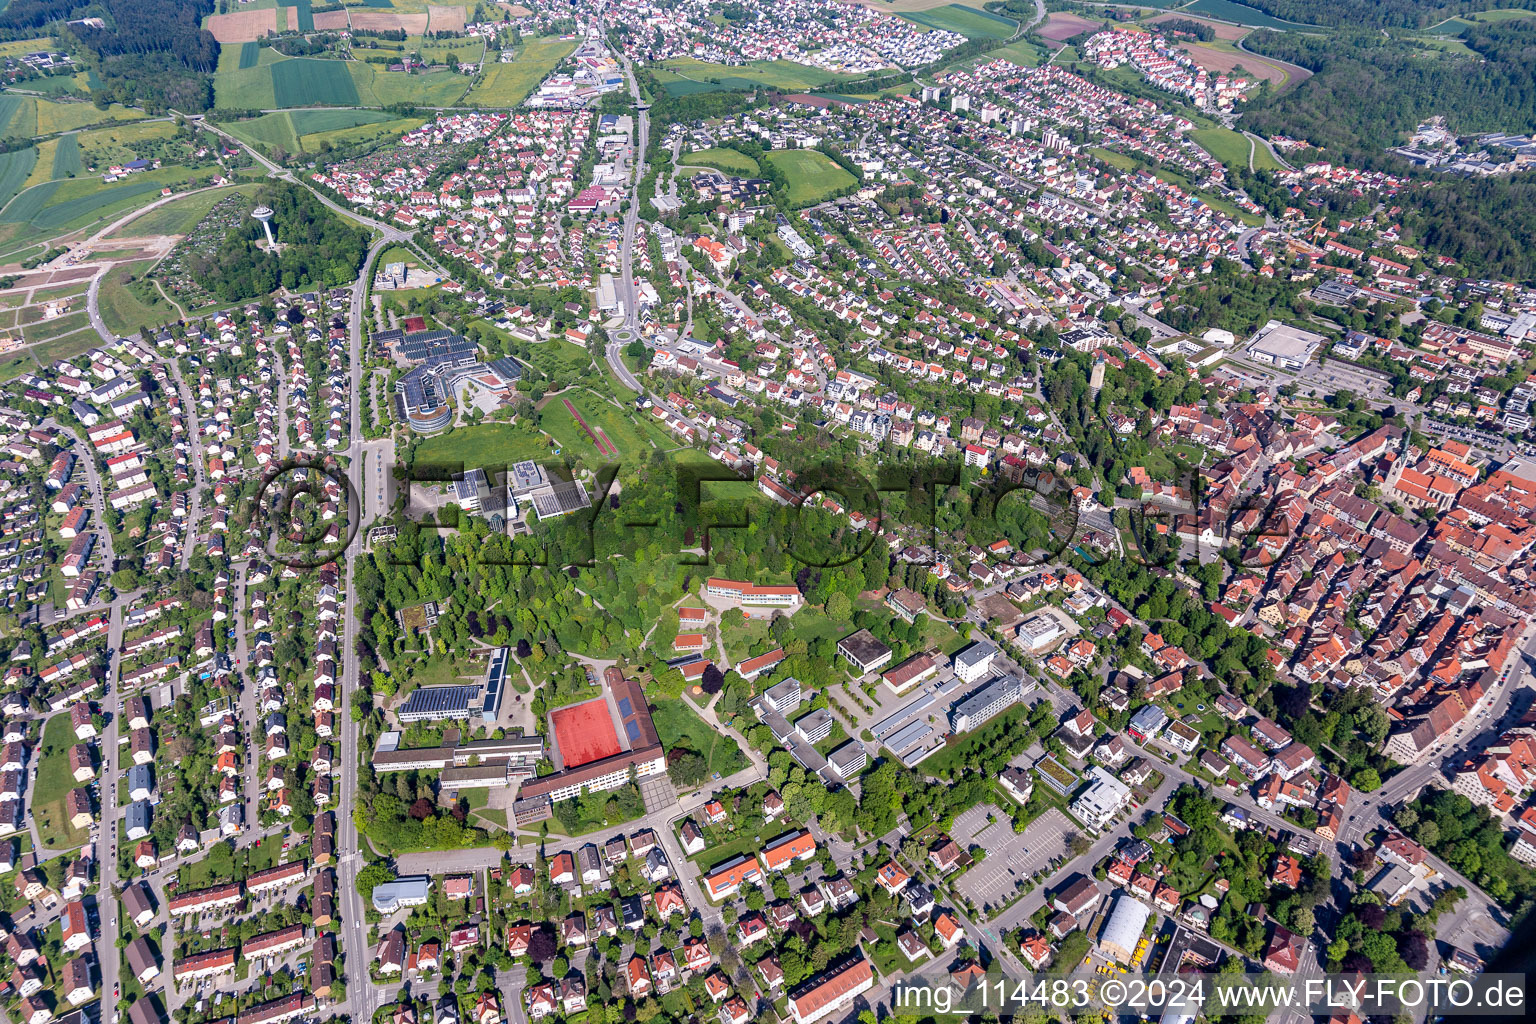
{"x":1011,"y":858}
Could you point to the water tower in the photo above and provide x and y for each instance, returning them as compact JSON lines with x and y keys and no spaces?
{"x":265,"y":215}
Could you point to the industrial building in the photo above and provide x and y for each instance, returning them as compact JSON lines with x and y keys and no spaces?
{"x":1283,"y":346}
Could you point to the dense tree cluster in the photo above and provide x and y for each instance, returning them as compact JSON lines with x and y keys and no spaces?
{"x":1368,"y":91}
{"x":151,"y":53}
{"x":318,"y":249}
{"x":1470,"y":840}
{"x":1376,"y":13}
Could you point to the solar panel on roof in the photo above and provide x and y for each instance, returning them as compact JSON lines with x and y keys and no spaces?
{"x":625,"y":707}
{"x":632,"y":730}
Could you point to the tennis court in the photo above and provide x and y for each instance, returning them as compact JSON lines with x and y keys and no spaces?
{"x":584,"y":733}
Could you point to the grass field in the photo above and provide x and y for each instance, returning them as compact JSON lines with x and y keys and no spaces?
{"x":17,"y":47}
{"x":54,"y":781}
{"x":486,"y":445}
{"x":507,"y":85}
{"x":125,"y":312}
{"x":683,"y":76}
{"x":1232,"y":148}
{"x":250,"y":53}
{"x":59,"y":116}
{"x":43,"y":170}
{"x":312,"y":141}
{"x":379,"y":88}
{"x":677,"y":724}
{"x":972,"y":24}
{"x":1023,"y":52}
{"x":812,"y":176}
{"x":605,"y":421}
{"x":727,"y":160}
{"x":14,"y":169}
{"x":1441,"y":44}
{"x":1226,"y":145}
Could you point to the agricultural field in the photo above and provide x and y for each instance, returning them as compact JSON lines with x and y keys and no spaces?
{"x":507,"y":85}
{"x":684,"y":75}
{"x":971,"y":23}
{"x":812,"y":176}
{"x":302,"y":82}
{"x":66,"y":156}
{"x":14,"y":169}
{"x":727,"y":160}
{"x":1060,"y":27}
{"x":1242,"y":14}
{"x":57,"y":206}
{"x":288,"y":128}
{"x":1225,"y":59}
{"x":29,"y":116}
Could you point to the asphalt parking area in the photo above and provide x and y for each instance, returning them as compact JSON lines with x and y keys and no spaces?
{"x":1013,"y":858}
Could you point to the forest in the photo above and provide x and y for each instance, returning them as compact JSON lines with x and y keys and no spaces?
{"x":1378,"y":13}
{"x":152,"y":52}
{"x":318,"y":249}
{"x":1369,"y":92}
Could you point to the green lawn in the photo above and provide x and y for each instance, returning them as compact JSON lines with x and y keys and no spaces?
{"x":958,"y":755}
{"x":1226,"y":145}
{"x":679,"y":725}
{"x":54,"y":781}
{"x":727,"y":160}
{"x":487,"y":445}
{"x":812,"y":175}
{"x":971,"y":23}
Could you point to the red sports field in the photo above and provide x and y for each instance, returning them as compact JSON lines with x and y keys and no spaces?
{"x":584,"y":733}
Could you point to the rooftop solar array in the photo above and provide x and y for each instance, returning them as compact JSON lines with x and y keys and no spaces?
{"x":438,"y":702}
{"x":625,"y":708}
{"x":424,"y":345}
